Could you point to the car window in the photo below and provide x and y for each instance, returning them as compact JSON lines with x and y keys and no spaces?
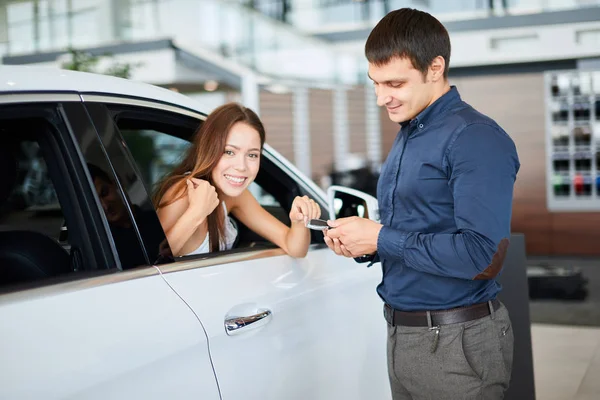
{"x":157,"y":140}
{"x":30,"y":203}
{"x":126,"y":179}
{"x":36,"y":201}
{"x":156,"y":153}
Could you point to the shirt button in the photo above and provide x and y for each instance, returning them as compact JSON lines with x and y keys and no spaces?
{"x":421,"y":126}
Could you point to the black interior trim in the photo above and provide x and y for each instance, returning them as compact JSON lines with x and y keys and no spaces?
{"x":76,"y":121}
{"x":136,"y":117}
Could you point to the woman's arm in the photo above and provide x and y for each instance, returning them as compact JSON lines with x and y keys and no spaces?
{"x":182,"y":218}
{"x":293,"y":240}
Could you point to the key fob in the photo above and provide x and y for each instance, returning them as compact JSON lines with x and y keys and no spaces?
{"x":318,"y":224}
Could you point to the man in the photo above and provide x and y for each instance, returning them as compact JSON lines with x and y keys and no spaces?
{"x":445,"y":198}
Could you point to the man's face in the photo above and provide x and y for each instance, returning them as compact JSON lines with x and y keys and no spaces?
{"x":401,"y":88}
{"x":111,"y":202}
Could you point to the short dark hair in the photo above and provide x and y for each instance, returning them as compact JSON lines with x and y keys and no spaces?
{"x":97,"y":172}
{"x":412,"y":34}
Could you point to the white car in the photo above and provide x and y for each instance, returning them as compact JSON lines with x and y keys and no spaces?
{"x":90,"y":309}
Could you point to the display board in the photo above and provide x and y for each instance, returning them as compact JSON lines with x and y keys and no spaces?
{"x":573,"y":140}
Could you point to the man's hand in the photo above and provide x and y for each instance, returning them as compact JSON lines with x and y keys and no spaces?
{"x":352,"y":236}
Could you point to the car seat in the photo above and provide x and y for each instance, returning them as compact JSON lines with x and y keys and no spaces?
{"x":25,"y":255}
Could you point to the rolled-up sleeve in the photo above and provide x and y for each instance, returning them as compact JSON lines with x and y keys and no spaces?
{"x":483,"y":164}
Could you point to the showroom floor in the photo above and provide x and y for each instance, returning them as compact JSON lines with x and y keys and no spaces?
{"x":566,"y":339}
{"x":566,"y":362}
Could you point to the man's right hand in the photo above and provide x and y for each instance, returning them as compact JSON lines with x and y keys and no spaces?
{"x":337,"y":246}
{"x":202,"y":197}
{"x":353,"y":236}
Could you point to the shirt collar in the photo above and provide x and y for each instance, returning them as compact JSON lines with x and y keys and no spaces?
{"x":448,"y":99}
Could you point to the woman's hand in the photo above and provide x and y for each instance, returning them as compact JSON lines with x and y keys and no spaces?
{"x":304,"y":209}
{"x":202,"y":197}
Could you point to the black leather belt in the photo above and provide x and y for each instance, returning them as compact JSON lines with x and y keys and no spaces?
{"x":439,"y":317}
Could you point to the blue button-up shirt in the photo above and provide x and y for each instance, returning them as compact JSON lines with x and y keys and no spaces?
{"x":445,"y":200}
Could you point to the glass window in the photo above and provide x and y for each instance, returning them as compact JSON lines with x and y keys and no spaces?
{"x":109,"y":196}
{"x":33,"y":245}
{"x":264,"y":198}
{"x":31,"y":201}
{"x":127,"y":180}
{"x":157,"y":142}
{"x":155,"y":152}
{"x":118,"y":216}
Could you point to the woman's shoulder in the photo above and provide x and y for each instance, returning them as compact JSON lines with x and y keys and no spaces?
{"x":175,"y":192}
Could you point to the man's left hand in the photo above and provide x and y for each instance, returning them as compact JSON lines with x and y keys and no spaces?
{"x":352,"y":236}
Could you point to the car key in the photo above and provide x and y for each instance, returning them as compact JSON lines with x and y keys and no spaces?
{"x":318,"y":224}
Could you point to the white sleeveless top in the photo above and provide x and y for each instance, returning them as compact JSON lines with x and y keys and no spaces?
{"x":230,"y":236}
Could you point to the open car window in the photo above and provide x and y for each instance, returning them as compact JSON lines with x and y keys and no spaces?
{"x":157,"y":140}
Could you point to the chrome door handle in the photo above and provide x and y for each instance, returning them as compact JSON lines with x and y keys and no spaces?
{"x":237,"y":325}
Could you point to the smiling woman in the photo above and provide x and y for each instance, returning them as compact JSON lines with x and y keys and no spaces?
{"x":194,"y":200}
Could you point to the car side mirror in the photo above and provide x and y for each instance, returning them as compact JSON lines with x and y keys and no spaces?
{"x":347,"y":202}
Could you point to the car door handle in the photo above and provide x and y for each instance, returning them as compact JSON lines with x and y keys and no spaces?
{"x":237,"y":325}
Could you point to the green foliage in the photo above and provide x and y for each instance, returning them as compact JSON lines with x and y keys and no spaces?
{"x":86,"y":62}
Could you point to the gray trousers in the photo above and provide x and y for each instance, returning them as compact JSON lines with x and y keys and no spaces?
{"x":471,"y":360}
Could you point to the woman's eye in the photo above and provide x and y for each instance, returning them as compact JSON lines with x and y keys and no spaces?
{"x":253,"y":155}
{"x":229,"y":152}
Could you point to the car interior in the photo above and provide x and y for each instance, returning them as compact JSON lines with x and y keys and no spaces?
{"x":36,"y":239}
{"x":31,"y":215}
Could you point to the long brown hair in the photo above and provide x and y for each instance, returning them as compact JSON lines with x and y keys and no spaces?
{"x":202,"y":157}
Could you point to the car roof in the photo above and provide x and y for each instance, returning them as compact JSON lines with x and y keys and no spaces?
{"x":39,"y":79}
{"x":23,"y":79}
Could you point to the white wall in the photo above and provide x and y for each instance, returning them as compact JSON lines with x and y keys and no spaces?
{"x":515,"y":45}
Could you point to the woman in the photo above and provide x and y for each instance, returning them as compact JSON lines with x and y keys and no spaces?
{"x":212,"y":180}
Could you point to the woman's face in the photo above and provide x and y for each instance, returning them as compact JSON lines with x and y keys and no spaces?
{"x":240,"y":161}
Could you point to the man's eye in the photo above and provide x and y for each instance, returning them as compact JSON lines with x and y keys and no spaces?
{"x":103,"y":191}
{"x":396,"y":84}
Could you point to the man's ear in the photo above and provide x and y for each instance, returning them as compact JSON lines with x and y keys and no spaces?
{"x":437,"y":68}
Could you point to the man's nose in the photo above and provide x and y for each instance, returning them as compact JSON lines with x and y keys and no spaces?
{"x":383,"y":98}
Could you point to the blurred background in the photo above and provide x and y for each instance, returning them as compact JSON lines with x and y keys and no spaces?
{"x":532,"y":65}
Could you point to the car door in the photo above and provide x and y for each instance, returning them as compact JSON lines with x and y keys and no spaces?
{"x":289,"y":328}
{"x":278,"y":327}
{"x":77,"y":322}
